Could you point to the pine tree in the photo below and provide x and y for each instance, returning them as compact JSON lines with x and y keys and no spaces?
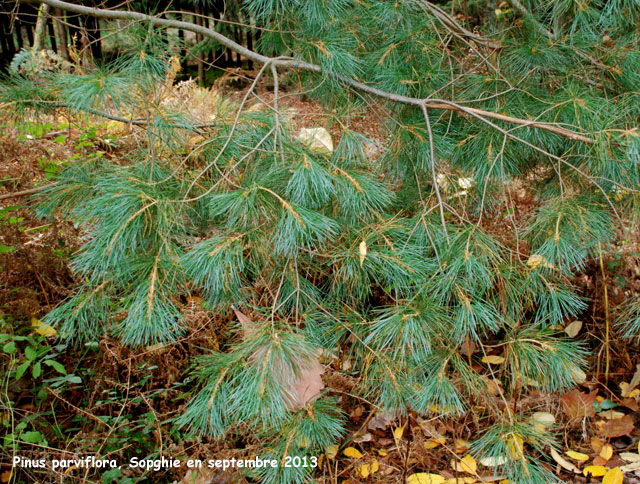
{"x":391,"y":261}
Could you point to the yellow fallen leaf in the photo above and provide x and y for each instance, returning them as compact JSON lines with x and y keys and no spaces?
{"x":424,"y":478}
{"x":352,"y":452}
{"x":579,"y":456}
{"x":362,"y":249}
{"x":433,"y":443}
{"x":595,"y":471}
{"x":461,"y":445}
{"x":539,"y":260}
{"x":369,"y":469}
{"x":493,"y":359}
{"x":466,"y":464}
{"x":565,"y":464}
{"x":460,"y":480}
{"x":5,"y":476}
{"x":331,"y":451}
{"x":606,"y":452}
{"x":43,"y":328}
{"x":397,"y":433}
{"x":382,"y":452}
{"x":614,"y":476}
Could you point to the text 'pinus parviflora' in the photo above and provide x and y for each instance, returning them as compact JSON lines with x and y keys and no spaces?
{"x":406,"y":263}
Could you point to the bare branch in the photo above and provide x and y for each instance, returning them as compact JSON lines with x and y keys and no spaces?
{"x":306,"y":66}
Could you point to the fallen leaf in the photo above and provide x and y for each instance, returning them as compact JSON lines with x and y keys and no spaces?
{"x":536,"y":260}
{"x":493,"y":359}
{"x":611,"y":414}
{"x":362,"y":249}
{"x":382,"y":453}
{"x":433,"y":443}
{"x":247,"y":324}
{"x":615,"y":428}
{"x":369,"y":469}
{"x":595,"y":471}
{"x":379,"y":422}
{"x":352,"y":452}
{"x":493,"y":461}
{"x":493,"y":385}
{"x":577,"y":405}
{"x":545,"y":418}
{"x":6,"y":476}
{"x":630,"y":403}
{"x":579,"y":456}
{"x":599,"y":461}
{"x":316,"y":139}
{"x":578,"y":375}
{"x":467,"y":464}
{"x":596,"y":444}
{"x":307,"y":385}
{"x":564,"y":463}
{"x":360,"y":438}
{"x":635,"y":380}
{"x":461,"y":445}
{"x":460,"y":480}
{"x":43,"y":328}
{"x":606,"y":452}
{"x":613,"y":476}
{"x":397,"y":434}
{"x":630,"y":457}
{"x":634,"y":466}
{"x":331,"y":451}
{"x":573,"y":328}
{"x":424,"y":478}
{"x":301,"y":387}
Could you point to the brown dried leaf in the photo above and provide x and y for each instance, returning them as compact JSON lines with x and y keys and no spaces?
{"x":380,"y":422}
{"x":303,"y":387}
{"x":577,"y":405}
{"x":307,"y":385}
{"x":246,"y":322}
{"x":616,"y":428}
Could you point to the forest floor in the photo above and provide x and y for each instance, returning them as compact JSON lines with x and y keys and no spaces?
{"x":122,"y":400}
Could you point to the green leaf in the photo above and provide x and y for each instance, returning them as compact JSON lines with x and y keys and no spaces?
{"x":30,"y":353}
{"x":21,"y":369}
{"x":56,"y":366}
{"x":9,"y":347}
{"x":73,"y":379}
{"x":37,"y":370}
{"x":31,"y":437}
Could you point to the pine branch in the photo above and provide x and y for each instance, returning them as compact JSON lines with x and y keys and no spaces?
{"x":306,"y":66}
